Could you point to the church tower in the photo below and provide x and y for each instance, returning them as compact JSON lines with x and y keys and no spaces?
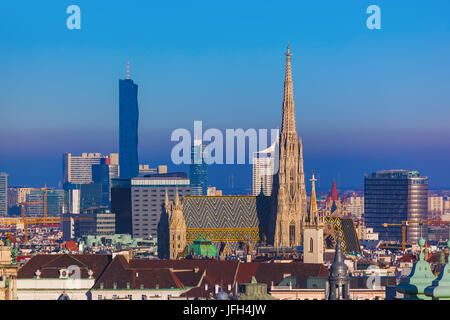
{"x":289,"y":184}
{"x":177,"y":226}
{"x":313,"y":231}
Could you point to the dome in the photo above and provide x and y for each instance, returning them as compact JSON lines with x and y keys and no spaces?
{"x":221,"y":295}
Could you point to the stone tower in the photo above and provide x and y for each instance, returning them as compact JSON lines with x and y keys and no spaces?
{"x":313,"y":231}
{"x":177,"y":226}
{"x":289,"y":184}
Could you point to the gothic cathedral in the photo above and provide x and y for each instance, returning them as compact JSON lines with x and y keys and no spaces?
{"x":289,"y":192}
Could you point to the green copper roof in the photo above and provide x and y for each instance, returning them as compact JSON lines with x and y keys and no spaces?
{"x":203,"y":247}
{"x":440,"y":288}
{"x":420,"y":277}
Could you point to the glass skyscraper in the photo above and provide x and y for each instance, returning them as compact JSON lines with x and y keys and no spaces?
{"x":128,"y":129}
{"x":198,"y":171}
{"x":100,"y":175}
{"x":3,"y":194}
{"x":394,"y":196}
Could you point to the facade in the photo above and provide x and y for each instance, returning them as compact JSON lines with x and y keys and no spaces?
{"x":49,"y":277}
{"x":289,"y":184}
{"x":17,"y":195}
{"x":436,"y":204}
{"x":121,"y":205}
{"x":355,"y":206}
{"x":147,"y":200}
{"x":78,"y":169}
{"x":263,"y":171}
{"x":393,"y":196}
{"x":128,"y":128}
{"x":101,"y":176}
{"x":103,"y":222}
{"x":3,"y":194}
{"x":79,"y":197}
{"x":55,"y":202}
{"x":8,"y":272}
{"x":313,"y":246}
{"x":198,"y":170}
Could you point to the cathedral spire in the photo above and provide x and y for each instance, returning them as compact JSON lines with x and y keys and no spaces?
{"x":313,"y":205}
{"x":288,"y":124}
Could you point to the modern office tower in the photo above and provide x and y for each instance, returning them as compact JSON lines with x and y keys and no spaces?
{"x":3,"y":194}
{"x":121,"y":205}
{"x":394,"y":196}
{"x":147,"y":200}
{"x":79,"y":197}
{"x":355,"y":206}
{"x":198,"y":170}
{"x":128,"y":128}
{"x":55,"y":202}
{"x":103,"y":222}
{"x":100,"y":175}
{"x":263,"y":171}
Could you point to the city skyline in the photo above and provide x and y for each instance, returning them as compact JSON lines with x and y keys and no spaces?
{"x":367,"y":100}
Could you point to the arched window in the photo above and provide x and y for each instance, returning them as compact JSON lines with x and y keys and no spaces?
{"x":292,"y":234}
{"x":311,"y":245}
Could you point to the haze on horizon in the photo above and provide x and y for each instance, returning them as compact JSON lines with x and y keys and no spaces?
{"x":365,"y":100}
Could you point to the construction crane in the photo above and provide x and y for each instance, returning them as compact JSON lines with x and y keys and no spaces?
{"x":405,"y":223}
{"x":37,"y":220}
{"x":22,"y":207}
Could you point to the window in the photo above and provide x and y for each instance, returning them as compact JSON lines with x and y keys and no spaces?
{"x":100,"y":297}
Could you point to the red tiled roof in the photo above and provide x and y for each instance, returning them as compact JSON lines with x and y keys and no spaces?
{"x":50,"y":264}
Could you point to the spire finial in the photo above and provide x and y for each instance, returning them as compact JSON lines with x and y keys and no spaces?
{"x":288,"y":53}
{"x":128,"y":69}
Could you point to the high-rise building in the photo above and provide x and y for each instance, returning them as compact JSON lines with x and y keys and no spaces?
{"x":55,"y":202}
{"x":3,"y":194}
{"x":263,"y":170}
{"x":289,"y":184}
{"x":198,"y":170}
{"x":394,"y":196}
{"x":355,"y":206}
{"x":78,"y":169}
{"x":121,"y":205}
{"x":17,"y":195}
{"x":436,"y":204}
{"x":102,"y":222}
{"x":147,"y":200}
{"x":79,"y":197}
{"x":101,"y":175}
{"x":128,"y":128}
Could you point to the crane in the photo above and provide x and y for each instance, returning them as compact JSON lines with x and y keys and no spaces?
{"x":37,"y":220}
{"x":405,"y":223}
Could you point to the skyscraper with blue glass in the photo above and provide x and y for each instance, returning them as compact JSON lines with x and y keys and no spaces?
{"x":198,"y":170}
{"x":128,"y":128}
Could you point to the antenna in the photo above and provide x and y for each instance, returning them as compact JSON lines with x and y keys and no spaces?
{"x":128,"y":69}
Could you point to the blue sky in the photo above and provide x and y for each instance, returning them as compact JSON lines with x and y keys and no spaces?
{"x":365,"y":99}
